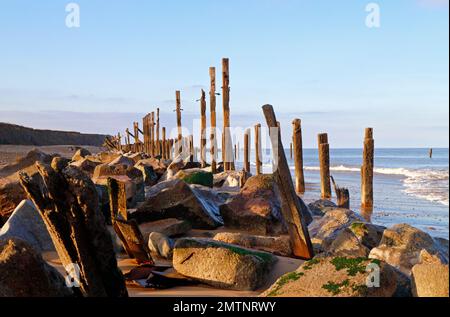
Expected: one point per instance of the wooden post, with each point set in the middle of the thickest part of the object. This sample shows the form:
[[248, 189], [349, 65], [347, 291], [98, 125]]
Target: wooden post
[[127, 132], [163, 144], [258, 148], [119, 141], [191, 148], [291, 206], [430, 153], [342, 195], [179, 148], [290, 150], [117, 199], [67, 201], [228, 144], [367, 171], [247, 151], [298, 156], [203, 129], [212, 101], [324, 161], [158, 145], [152, 134], [136, 137]]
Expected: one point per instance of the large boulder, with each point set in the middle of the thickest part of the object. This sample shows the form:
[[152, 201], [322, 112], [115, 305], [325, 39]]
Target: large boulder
[[340, 277], [136, 157], [367, 233], [11, 192], [176, 199], [26, 223], [429, 278], [347, 244], [323, 231], [170, 227], [131, 176], [87, 165], [229, 180], [321, 206], [221, 265], [122, 160], [196, 176], [402, 244], [149, 174], [158, 166], [24, 273], [160, 245], [178, 164], [106, 157], [257, 208], [80, 154], [277, 245]]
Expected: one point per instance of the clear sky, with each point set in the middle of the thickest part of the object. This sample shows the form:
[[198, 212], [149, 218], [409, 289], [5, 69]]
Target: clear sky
[[316, 60]]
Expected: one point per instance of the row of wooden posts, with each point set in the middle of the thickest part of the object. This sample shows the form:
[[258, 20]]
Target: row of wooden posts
[[157, 145]]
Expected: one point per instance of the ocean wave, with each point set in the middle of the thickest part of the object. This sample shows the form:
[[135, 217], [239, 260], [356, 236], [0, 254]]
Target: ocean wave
[[428, 184]]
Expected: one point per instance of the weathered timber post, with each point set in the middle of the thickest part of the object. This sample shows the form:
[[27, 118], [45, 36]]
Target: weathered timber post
[[291, 203], [342, 195], [119, 141], [68, 203], [191, 148], [152, 134], [163, 144], [247, 151], [179, 148], [290, 150], [228, 144], [117, 199], [127, 132], [212, 101], [298, 156], [258, 148], [203, 129], [324, 161], [136, 136], [158, 147], [430, 153], [145, 134], [367, 171]]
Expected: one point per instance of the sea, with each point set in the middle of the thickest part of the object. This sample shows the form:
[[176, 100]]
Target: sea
[[409, 186]]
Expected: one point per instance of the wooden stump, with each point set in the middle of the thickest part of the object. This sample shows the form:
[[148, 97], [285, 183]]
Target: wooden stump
[[247, 150], [298, 156], [367, 171], [258, 148], [324, 161], [212, 101]]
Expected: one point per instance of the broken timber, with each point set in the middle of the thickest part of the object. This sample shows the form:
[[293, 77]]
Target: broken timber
[[291, 207], [69, 206]]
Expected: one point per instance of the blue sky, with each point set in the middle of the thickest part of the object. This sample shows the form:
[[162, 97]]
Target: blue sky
[[315, 60]]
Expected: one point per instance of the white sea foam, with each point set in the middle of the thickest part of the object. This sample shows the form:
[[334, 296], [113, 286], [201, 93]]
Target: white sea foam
[[428, 184]]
